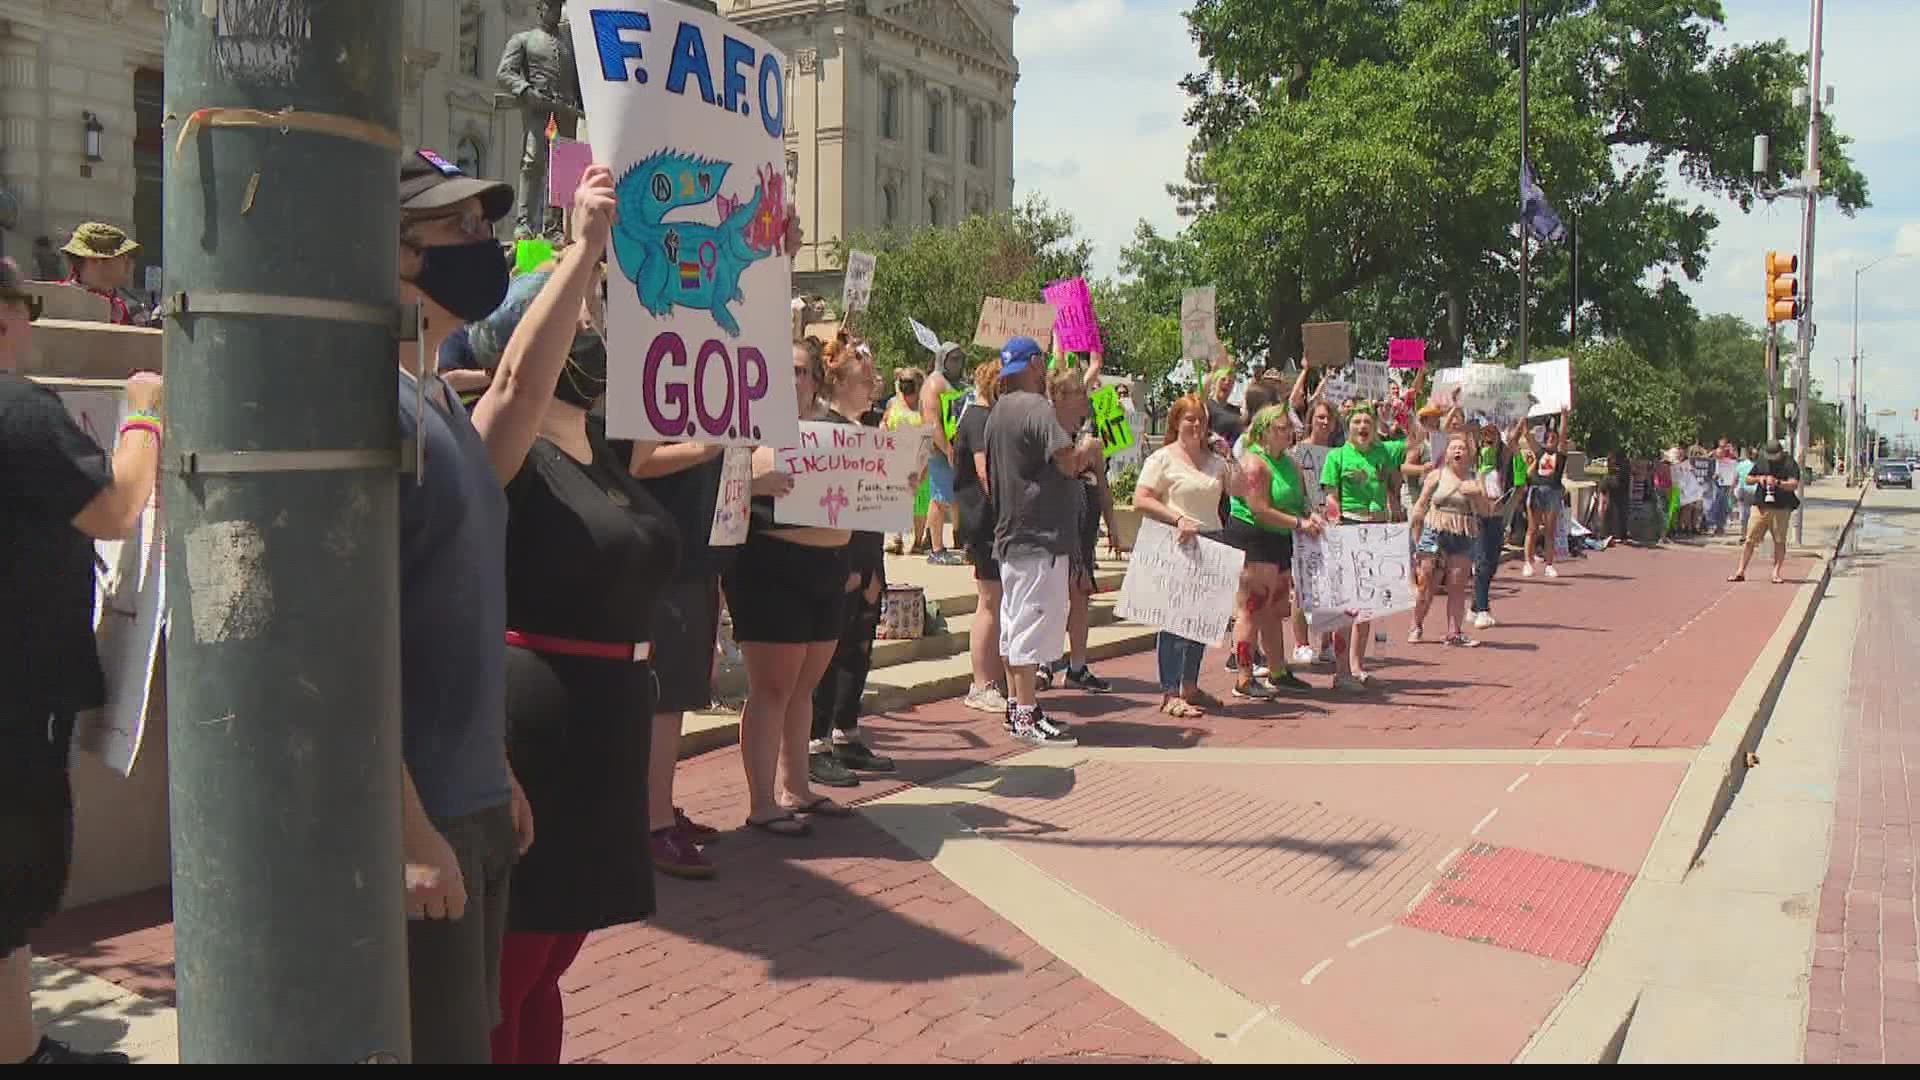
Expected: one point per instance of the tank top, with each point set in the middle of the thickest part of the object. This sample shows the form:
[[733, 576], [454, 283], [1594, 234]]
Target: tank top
[[1286, 489], [1452, 510]]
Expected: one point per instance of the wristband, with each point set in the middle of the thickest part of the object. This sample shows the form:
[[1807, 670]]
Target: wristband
[[146, 422]]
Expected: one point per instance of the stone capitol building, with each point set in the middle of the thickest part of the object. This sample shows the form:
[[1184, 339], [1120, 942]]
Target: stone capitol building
[[900, 112]]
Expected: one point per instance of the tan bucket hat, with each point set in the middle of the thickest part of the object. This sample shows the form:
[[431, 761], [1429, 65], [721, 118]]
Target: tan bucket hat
[[99, 240]]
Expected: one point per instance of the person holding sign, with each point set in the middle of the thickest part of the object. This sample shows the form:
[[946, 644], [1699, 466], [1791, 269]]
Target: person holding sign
[[1446, 518], [1360, 480], [936, 404], [1183, 485], [61, 491], [787, 591], [1262, 524], [1546, 493]]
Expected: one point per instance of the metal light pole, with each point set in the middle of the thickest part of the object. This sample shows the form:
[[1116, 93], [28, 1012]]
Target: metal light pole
[[1812, 208], [1853, 446], [1525, 18], [281, 502]]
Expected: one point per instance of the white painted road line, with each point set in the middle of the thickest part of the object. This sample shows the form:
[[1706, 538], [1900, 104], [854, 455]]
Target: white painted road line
[[1484, 821], [1515, 786], [1314, 972], [1368, 936]]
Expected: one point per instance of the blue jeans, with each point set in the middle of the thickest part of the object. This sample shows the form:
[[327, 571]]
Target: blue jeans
[[1486, 559], [1179, 662]]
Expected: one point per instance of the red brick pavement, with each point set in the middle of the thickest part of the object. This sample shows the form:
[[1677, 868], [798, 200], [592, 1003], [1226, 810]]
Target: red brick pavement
[[1864, 1000], [846, 947]]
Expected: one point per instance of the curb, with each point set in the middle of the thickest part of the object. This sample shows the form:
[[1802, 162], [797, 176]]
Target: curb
[[1590, 1024]]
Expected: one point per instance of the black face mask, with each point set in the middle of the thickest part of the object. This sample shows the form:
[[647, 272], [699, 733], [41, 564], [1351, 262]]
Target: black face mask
[[468, 280], [584, 380]]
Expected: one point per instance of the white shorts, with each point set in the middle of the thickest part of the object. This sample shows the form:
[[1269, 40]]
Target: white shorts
[[1033, 609]]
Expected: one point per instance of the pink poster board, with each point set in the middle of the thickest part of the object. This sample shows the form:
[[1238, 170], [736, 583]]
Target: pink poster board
[[1074, 324], [1406, 353], [567, 162]]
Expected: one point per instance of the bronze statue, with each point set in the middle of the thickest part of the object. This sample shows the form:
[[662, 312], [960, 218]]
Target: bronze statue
[[538, 73]]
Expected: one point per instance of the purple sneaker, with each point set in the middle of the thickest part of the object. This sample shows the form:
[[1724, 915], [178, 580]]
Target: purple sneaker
[[675, 855]]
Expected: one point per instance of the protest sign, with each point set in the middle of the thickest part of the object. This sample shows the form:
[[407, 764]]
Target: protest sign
[[1312, 459], [1552, 386], [1326, 344], [730, 504], [129, 609], [858, 288], [850, 477], [698, 311], [1110, 421], [1406, 352], [1199, 322], [927, 338], [1184, 589], [1001, 320], [1726, 472], [1485, 390], [1074, 325], [567, 161], [1353, 573], [1361, 380]]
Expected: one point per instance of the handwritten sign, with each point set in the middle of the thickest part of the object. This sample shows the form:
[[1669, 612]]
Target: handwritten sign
[[1726, 472], [730, 504], [1110, 421], [1361, 380], [1406, 352], [1312, 459], [850, 477], [1184, 589], [1326, 344], [567, 161], [689, 110], [1074, 324], [1500, 394], [130, 605], [1199, 321], [927, 338], [1353, 573], [858, 288], [1001, 320], [1552, 386]]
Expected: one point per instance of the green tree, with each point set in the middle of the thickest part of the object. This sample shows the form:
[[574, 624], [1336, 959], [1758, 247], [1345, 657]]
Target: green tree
[[940, 275], [1624, 404], [1140, 311], [1724, 387], [1359, 159]]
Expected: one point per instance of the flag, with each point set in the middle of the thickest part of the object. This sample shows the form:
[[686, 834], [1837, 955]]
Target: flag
[[1536, 214], [553, 126]]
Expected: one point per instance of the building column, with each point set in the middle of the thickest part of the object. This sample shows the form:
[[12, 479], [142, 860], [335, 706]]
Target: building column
[[913, 129], [23, 120], [1000, 157]]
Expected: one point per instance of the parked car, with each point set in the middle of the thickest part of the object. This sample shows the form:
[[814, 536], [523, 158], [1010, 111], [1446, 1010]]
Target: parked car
[[1894, 474]]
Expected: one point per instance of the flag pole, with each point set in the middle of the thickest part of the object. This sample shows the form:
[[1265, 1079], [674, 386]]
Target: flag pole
[[1521, 351]]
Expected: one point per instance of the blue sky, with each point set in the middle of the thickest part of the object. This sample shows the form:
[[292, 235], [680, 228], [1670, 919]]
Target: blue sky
[[1097, 130]]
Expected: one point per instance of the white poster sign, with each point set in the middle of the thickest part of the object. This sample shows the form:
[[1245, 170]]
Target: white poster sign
[[927, 338], [1552, 386], [1353, 573], [1500, 394], [730, 505], [1184, 589], [1312, 458], [689, 111], [859, 284], [850, 477], [1199, 325], [1726, 472], [129, 606], [1361, 380]]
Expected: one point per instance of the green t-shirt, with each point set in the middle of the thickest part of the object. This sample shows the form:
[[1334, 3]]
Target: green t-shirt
[[1288, 490], [1361, 476]]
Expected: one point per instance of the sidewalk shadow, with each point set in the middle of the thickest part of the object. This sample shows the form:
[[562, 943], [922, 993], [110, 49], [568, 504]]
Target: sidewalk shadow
[[995, 823]]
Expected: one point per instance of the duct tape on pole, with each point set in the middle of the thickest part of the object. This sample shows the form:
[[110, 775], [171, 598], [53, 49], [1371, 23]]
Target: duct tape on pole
[[280, 501]]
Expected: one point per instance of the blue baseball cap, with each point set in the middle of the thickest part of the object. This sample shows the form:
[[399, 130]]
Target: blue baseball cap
[[1018, 354]]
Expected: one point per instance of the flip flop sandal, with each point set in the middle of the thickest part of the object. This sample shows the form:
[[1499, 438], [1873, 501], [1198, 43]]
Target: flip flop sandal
[[823, 806], [786, 826], [1737, 577]]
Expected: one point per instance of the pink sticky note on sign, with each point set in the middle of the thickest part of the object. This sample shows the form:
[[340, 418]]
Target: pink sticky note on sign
[[567, 162], [1073, 322], [1406, 353]]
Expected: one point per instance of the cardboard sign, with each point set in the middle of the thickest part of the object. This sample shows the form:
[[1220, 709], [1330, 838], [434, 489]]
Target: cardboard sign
[[130, 605], [1074, 325], [1406, 353], [858, 288], [1184, 589], [850, 477], [1199, 322], [730, 506], [567, 161], [1353, 573], [1110, 421], [1001, 320], [689, 110], [1326, 344]]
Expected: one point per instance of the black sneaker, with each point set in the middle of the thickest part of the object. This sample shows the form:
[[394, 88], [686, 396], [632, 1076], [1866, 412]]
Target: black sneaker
[[51, 1052], [854, 755], [825, 768], [1085, 679], [1252, 689], [1043, 677], [1053, 728]]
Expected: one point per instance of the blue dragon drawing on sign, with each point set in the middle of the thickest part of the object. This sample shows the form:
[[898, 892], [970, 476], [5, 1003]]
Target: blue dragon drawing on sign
[[691, 264]]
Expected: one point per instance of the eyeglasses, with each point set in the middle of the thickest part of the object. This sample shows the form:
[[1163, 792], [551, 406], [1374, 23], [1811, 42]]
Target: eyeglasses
[[470, 223]]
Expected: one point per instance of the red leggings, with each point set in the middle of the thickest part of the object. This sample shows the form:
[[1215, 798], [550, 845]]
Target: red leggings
[[530, 1014]]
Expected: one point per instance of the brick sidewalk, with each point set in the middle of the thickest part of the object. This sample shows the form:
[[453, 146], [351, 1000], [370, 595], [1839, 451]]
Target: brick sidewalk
[[1864, 1001], [845, 947]]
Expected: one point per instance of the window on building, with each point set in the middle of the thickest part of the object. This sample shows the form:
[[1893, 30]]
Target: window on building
[[936, 124], [889, 205], [977, 139], [472, 19], [471, 155], [936, 213], [890, 108]]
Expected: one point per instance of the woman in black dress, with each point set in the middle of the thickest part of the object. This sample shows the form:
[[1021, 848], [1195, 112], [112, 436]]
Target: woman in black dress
[[589, 551]]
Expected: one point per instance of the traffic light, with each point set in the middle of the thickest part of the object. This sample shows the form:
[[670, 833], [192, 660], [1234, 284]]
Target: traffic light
[[1783, 287]]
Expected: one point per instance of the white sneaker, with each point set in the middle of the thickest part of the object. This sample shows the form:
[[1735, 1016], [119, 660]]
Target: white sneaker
[[1304, 655], [1527, 570], [1483, 620], [986, 699], [1551, 572]]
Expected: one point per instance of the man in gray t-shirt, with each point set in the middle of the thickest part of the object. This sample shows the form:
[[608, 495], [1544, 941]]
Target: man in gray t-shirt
[[1031, 463]]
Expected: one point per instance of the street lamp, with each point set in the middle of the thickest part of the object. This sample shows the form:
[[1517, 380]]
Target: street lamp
[[1853, 449], [93, 128]]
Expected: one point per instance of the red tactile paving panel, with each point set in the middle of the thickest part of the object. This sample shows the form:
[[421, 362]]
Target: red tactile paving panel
[[1523, 901]]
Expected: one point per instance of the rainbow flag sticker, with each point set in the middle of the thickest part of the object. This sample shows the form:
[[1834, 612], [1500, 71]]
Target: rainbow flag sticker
[[689, 275]]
